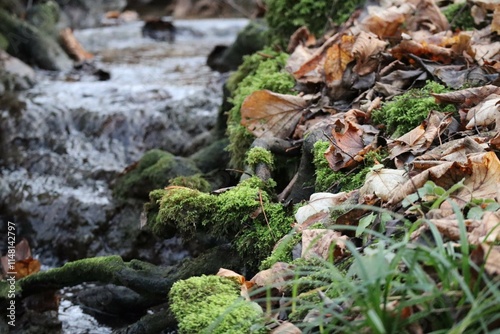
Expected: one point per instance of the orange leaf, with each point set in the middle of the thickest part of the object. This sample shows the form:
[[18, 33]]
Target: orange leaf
[[337, 58], [271, 115], [26, 267]]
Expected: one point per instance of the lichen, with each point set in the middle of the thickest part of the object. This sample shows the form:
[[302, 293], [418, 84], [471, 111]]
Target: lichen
[[407, 111], [258, 155], [459, 16], [211, 304], [285, 16], [262, 70], [196, 182]]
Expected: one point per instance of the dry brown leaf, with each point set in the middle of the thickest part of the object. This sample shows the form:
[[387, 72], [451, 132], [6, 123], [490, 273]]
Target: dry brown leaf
[[419, 139], [27, 267], [386, 22], [231, 274], [366, 50], [455, 150], [337, 58], [488, 230], [382, 183], [489, 256], [484, 179], [485, 113], [73, 47], [427, 16], [467, 97], [301, 36], [485, 52], [275, 276], [286, 328], [423, 50], [495, 23], [271, 115], [318, 243]]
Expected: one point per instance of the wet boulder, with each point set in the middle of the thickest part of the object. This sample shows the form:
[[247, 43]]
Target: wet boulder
[[249, 40], [88, 14], [14, 74], [29, 44], [159, 30]]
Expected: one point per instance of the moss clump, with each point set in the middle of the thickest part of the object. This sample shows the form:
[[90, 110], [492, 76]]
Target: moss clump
[[244, 214], [196, 182], [285, 16], [258, 155], [262, 70], [327, 179], [459, 16], [4, 43], [407, 111], [182, 209], [153, 171], [211, 304]]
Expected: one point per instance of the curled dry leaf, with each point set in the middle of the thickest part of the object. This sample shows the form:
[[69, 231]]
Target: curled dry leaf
[[231, 274], [276, 276], [271, 115], [485, 113], [366, 50], [488, 230], [420, 139], [286, 328], [318, 243], [24, 263], [467, 97], [386, 22], [382, 183], [423, 50], [319, 203], [337, 58]]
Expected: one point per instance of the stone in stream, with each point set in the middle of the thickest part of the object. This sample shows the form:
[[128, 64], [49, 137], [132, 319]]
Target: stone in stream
[[14, 74], [31, 45]]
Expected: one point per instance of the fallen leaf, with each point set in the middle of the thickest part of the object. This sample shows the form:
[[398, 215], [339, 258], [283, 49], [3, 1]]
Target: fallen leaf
[[337, 58], [275, 277], [366, 50], [486, 113], [318, 243], [467, 97], [319, 203], [271, 115], [231, 274], [382, 183], [286, 328], [27, 267], [386, 22]]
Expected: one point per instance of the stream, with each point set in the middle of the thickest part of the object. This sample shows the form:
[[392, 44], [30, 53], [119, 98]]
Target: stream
[[65, 140]]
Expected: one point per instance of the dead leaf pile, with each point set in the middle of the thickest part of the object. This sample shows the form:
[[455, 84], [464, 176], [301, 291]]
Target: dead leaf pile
[[379, 54]]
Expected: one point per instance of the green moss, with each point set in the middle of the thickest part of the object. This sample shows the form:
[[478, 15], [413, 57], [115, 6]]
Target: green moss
[[283, 251], [262, 70], [182, 210], [285, 16], [258, 155], [153, 171], [196, 182], [4, 43], [211, 304], [407, 111], [327, 179], [459, 16], [237, 215]]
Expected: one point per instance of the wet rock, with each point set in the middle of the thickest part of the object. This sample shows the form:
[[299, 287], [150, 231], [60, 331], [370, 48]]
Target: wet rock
[[249, 40], [87, 14], [31, 45], [14, 74], [159, 30]]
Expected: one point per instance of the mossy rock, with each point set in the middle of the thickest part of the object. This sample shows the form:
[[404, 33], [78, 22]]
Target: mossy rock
[[244, 215], [31, 45], [212, 304], [250, 40], [45, 17], [154, 171]]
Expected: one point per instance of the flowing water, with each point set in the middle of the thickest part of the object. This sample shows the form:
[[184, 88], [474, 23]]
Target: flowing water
[[67, 138]]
